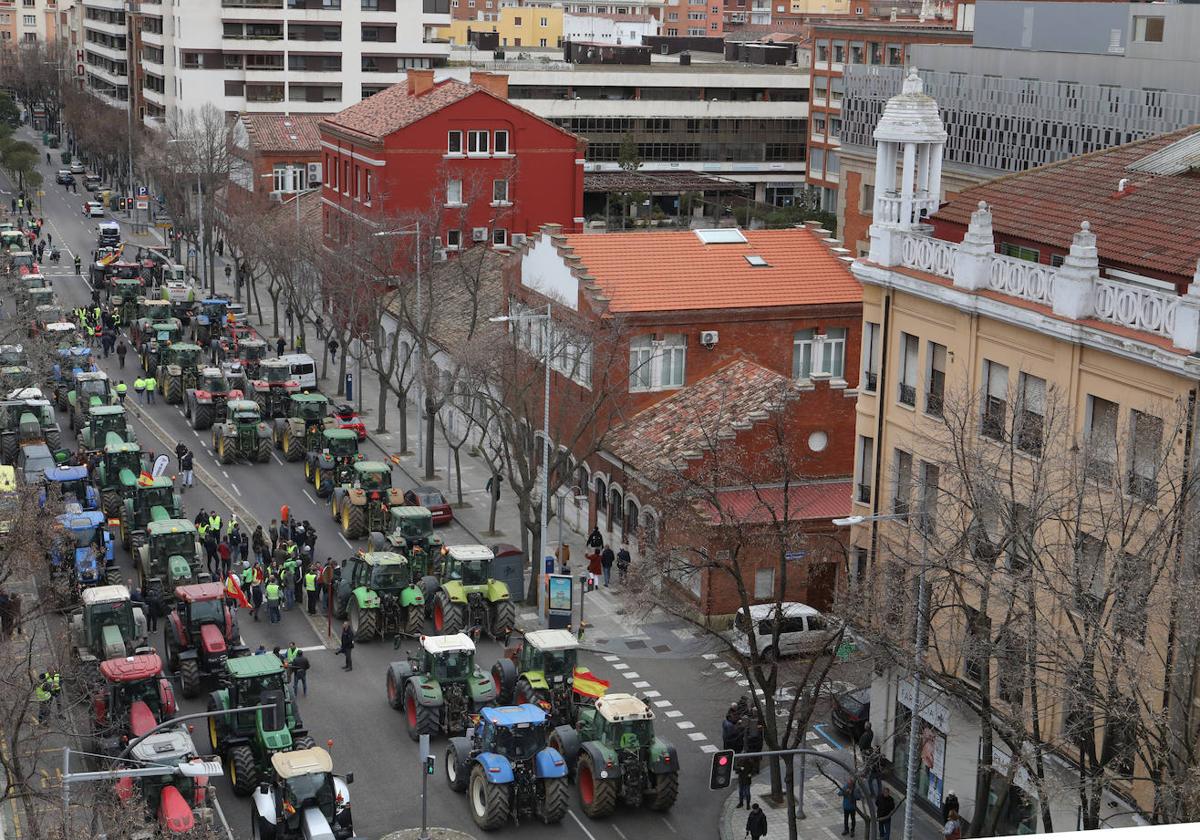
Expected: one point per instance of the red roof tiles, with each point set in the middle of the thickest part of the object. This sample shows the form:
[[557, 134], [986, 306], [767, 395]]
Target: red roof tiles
[[676, 271], [283, 132], [755, 505], [394, 108]]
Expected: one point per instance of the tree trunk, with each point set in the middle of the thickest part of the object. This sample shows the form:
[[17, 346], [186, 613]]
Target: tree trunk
[[381, 407], [458, 472], [253, 287], [341, 383], [789, 779], [402, 404], [429, 438]]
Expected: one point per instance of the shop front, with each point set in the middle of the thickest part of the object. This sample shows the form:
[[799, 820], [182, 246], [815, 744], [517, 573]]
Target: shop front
[[933, 726]]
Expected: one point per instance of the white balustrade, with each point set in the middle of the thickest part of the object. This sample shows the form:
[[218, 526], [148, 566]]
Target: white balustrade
[[924, 253], [1136, 307], [1021, 278]]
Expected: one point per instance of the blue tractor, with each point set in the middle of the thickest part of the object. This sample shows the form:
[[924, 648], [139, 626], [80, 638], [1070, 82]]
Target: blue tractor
[[82, 549], [72, 484], [67, 362], [510, 772], [210, 319]]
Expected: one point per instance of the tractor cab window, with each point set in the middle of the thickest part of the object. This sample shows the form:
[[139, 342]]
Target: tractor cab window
[[246, 416], [276, 373], [631, 734], [157, 496], [94, 387], [451, 666], [413, 527], [115, 615], [311, 789], [215, 311], [85, 534], [47, 415], [209, 611], [518, 742], [10, 357], [187, 358], [251, 689], [144, 690], [388, 577], [343, 446], [214, 383], [109, 422], [371, 480], [471, 572], [253, 352], [181, 543], [558, 663]]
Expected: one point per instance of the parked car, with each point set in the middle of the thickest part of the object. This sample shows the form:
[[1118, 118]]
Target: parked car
[[851, 710], [91, 182], [65, 177], [432, 498], [77, 167], [93, 208], [804, 630]]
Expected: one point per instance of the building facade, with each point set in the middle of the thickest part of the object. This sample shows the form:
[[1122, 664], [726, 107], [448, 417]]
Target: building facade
[[516, 26], [274, 155], [35, 22]]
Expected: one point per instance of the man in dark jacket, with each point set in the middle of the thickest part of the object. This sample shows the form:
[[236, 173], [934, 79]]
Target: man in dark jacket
[[885, 805], [347, 646], [756, 823], [299, 668], [154, 608], [607, 557]]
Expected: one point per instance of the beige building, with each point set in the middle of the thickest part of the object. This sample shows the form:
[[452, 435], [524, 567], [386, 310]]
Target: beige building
[[1026, 435]]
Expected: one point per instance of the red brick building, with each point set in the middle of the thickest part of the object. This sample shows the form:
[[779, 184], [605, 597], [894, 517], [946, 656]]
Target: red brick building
[[460, 158], [275, 155]]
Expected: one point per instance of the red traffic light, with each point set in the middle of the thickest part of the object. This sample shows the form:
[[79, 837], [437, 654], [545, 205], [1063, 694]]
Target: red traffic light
[[722, 760], [721, 773]]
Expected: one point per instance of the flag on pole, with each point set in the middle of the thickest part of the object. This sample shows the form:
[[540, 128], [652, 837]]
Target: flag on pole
[[588, 684], [233, 589], [145, 479]]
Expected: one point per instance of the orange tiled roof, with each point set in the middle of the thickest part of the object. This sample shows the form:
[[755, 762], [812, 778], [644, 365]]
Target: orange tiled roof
[[676, 271], [283, 132], [395, 108], [757, 505]]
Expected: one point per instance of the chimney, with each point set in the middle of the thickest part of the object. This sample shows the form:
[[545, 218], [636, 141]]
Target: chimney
[[419, 81], [497, 83]]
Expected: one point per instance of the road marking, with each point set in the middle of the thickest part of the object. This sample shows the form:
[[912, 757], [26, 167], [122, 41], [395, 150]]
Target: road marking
[[685, 724], [733, 675], [663, 704], [346, 541], [620, 833], [620, 666], [708, 748], [582, 827], [819, 728], [668, 825], [278, 460], [313, 647], [697, 736], [641, 684], [721, 665], [674, 713], [651, 694], [610, 658], [310, 498], [224, 473], [633, 675], [709, 655], [743, 683], [235, 488]]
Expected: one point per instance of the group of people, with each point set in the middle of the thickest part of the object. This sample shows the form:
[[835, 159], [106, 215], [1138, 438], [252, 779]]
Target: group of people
[[295, 665], [601, 559], [284, 572]]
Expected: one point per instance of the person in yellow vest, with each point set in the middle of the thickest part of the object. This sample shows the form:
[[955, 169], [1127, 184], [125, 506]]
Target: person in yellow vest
[[214, 525], [139, 388], [42, 695], [273, 595], [151, 385], [121, 389], [310, 586]]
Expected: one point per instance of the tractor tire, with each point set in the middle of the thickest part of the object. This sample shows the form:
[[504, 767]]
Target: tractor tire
[[395, 691], [448, 617], [264, 451], [523, 693], [293, 448], [489, 802], [323, 483], [172, 390], [214, 732], [565, 739], [126, 542], [260, 828], [202, 416], [597, 797], [71, 420], [189, 678], [556, 799], [308, 471], [110, 502], [61, 397], [340, 608], [504, 676], [665, 792], [172, 651], [262, 405], [333, 507], [223, 450], [354, 520], [243, 773], [303, 742], [414, 624], [504, 618], [420, 720], [53, 440], [458, 764], [113, 576], [363, 623], [9, 448]]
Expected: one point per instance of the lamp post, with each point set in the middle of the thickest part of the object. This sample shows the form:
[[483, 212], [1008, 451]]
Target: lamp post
[[416, 231], [545, 511], [199, 220]]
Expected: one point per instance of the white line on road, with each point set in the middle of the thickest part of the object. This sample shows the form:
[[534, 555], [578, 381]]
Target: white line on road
[[620, 833], [708, 748], [641, 684], [633, 675], [235, 488], [685, 724], [582, 827], [652, 694], [663, 704], [610, 658], [310, 498], [620, 666], [674, 713], [668, 825], [346, 541], [224, 473], [709, 655], [697, 736], [313, 647], [277, 458]]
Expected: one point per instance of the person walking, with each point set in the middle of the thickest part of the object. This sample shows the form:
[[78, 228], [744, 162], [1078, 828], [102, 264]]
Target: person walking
[[280, 346], [180, 448], [139, 388], [885, 806], [289, 584], [623, 561], [185, 469], [243, 548], [595, 540], [347, 646], [151, 386], [865, 741], [606, 563], [952, 830], [154, 608], [594, 569], [121, 390], [756, 823], [42, 695], [256, 596], [273, 531], [226, 555], [333, 348], [310, 587], [745, 777], [300, 666], [122, 349], [849, 794], [731, 732], [949, 803], [273, 596]]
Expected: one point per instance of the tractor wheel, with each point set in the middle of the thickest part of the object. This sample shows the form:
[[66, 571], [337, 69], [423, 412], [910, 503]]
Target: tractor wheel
[[202, 417], [556, 799], [524, 693], [71, 420], [420, 720], [414, 624], [172, 652], [126, 542], [214, 731], [264, 450], [260, 828], [504, 674], [363, 623], [293, 447], [395, 691], [172, 391], [61, 397], [504, 618], [9, 448], [224, 450], [53, 440], [113, 576], [664, 793], [243, 773], [323, 482], [448, 617], [262, 405], [489, 802], [354, 520], [565, 739], [303, 742], [110, 502], [333, 507], [308, 471], [597, 796], [457, 765], [189, 678]]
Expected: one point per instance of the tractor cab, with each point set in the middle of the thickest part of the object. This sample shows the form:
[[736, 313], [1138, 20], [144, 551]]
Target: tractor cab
[[103, 421], [169, 560], [178, 798], [448, 659], [43, 296], [184, 355], [15, 376], [212, 381], [384, 572], [154, 310], [13, 354], [91, 388], [61, 334], [235, 375], [212, 311], [516, 732], [553, 653], [70, 484], [311, 408], [122, 461], [272, 385], [108, 625], [252, 351], [259, 680], [81, 548], [202, 605], [244, 412], [163, 333], [412, 529], [469, 564], [307, 785], [341, 444], [372, 476], [136, 698]]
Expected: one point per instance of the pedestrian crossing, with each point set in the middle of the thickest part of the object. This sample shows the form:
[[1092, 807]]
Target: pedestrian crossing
[[661, 705]]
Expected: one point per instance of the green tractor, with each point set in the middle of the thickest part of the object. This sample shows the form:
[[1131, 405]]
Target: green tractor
[[442, 689], [244, 436], [89, 389], [124, 297], [180, 368], [107, 626], [364, 506], [332, 464], [542, 668], [300, 431], [27, 421], [247, 740], [615, 757], [103, 421], [169, 556], [117, 474], [153, 502], [411, 532], [379, 595], [152, 313], [155, 343], [466, 594]]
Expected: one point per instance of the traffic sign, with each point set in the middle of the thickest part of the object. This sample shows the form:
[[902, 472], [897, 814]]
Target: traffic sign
[[143, 191], [143, 205], [795, 555]]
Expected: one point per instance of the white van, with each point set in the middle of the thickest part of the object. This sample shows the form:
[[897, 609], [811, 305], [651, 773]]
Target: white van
[[304, 369], [804, 630]]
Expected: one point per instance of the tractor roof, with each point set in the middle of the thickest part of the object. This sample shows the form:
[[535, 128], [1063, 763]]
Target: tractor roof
[[311, 397], [407, 511], [620, 707], [470, 552], [372, 467], [210, 371], [242, 405], [168, 747], [105, 595], [114, 448], [131, 668], [62, 472], [459, 642], [384, 558], [288, 765], [509, 716], [156, 482], [215, 301], [60, 326], [106, 410], [91, 376], [340, 434], [184, 346], [254, 341], [170, 526], [194, 592], [81, 520], [164, 326], [552, 640], [258, 665]]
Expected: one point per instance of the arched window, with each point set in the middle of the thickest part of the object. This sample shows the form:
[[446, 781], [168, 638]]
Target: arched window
[[631, 518], [649, 535], [601, 496], [614, 507]]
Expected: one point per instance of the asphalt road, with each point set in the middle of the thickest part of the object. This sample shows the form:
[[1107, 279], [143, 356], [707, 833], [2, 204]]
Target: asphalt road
[[369, 738]]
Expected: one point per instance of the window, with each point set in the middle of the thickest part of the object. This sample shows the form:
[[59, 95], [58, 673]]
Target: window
[[281, 179], [454, 142], [454, 191], [542, 42], [870, 351], [1089, 574], [1131, 591], [909, 345], [935, 379], [1031, 413], [500, 141], [453, 239], [346, 178], [1020, 252], [29, 20], [983, 536], [656, 365], [499, 236], [367, 186], [1148, 29], [864, 468], [764, 583], [995, 399], [1101, 425], [866, 204], [543, 22], [1145, 432], [802, 350], [931, 475], [477, 142], [1010, 670], [833, 352], [500, 191], [1119, 752], [975, 644], [902, 465], [641, 357], [516, 21], [1021, 539]]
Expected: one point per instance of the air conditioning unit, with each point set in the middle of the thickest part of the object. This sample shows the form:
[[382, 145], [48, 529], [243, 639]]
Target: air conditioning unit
[[435, 242], [479, 234], [709, 338], [439, 255], [518, 239], [314, 174], [276, 196]]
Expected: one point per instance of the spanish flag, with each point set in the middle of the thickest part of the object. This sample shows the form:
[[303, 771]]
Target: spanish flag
[[233, 590], [588, 684], [145, 479]]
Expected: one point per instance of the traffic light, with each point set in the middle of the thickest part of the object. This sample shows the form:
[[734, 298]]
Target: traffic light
[[722, 770], [430, 760]]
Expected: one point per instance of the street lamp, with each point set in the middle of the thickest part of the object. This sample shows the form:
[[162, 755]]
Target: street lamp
[[199, 219], [910, 782], [545, 512], [416, 231]]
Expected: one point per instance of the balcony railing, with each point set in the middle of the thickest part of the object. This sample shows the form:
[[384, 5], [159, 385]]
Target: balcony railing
[[251, 4], [1022, 278], [925, 253], [889, 207], [1136, 307]]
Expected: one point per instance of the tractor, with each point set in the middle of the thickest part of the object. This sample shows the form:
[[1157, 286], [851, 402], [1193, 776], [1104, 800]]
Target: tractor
[[103, 420], [108, 626], [331, 464], [272, 386], [209, 322], [15, 376], [411, 532], [251, 352], [364, 506], [243, 436], [24, 421], [441, 690], [178, 798], [42, 316], [235, 375], [69, 484], [511, 772], [155, 342], [13, 354], [300, 430], [117, 473], [200, 635], [134, 699], [88, 390], [151, 501], [61, 336], [303, 799], [543, 668], [614, 756], [81, 550], [68, 360], [467, 595], [180, 369], [170, 556], [379, 596], [124, 297], [209, 400], [247, 740], [151, 312]]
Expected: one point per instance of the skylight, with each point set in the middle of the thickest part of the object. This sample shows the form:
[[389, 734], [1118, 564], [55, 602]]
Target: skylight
[[721, 236], [756, 261]]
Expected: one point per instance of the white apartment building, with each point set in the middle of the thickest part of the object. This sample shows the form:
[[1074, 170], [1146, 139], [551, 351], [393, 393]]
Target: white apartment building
[[624, 29]]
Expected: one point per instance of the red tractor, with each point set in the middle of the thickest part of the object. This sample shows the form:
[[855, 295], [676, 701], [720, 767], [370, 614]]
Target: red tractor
[[345, 417], [179, 798], [135, 698], [200, 635], [271, 388]]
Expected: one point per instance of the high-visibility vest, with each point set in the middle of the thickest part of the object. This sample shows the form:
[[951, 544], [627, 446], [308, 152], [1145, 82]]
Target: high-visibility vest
[[291, 654], [55, 682], [310, 582], [139, 384], [121, 389], [202, 529], [214, 522], [151, 384], [248, 576], [272, 591], [41, 691]]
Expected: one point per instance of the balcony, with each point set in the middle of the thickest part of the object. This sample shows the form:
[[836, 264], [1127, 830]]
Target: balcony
[[252, 4], [114, 53]]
